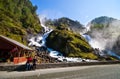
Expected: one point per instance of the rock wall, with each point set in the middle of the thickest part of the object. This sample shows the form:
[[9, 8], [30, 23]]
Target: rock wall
[[54, 65]]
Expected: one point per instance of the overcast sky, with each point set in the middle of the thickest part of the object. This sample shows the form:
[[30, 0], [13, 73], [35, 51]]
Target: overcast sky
[[80, 10]]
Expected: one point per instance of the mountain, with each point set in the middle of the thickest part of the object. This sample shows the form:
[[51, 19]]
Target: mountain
[[66, 39], [105, 32], [100, 23], [102, 20], [65, 23], [18, 18]]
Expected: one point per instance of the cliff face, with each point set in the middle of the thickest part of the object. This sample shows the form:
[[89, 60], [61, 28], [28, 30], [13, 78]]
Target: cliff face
[[18, 18]]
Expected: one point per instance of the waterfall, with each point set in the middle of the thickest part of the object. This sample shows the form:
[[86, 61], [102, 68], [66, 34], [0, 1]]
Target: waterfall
[[40, 40], [103, 40]]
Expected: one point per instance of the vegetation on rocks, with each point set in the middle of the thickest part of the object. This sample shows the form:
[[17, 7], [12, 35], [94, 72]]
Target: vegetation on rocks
[[102, 22], [18, 18], [65, 23], [70, 44]]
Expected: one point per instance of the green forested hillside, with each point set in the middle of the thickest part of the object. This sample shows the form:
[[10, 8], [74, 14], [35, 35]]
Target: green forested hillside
[[18, 18]]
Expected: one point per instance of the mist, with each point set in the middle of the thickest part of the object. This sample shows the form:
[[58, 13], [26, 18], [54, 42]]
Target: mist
[[106, 37]]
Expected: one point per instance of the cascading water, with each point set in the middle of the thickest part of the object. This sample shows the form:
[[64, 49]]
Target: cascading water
[[104, 39], [40, 40]]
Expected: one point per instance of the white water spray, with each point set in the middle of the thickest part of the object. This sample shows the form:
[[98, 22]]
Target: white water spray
[[104, 39], [40, 41], [42, 20]]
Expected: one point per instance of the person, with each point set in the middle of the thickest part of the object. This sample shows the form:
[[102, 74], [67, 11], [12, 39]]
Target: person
[[28, 63], [34, 62]]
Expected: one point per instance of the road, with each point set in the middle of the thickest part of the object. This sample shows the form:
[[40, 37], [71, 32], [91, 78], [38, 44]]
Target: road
[[79, 72]]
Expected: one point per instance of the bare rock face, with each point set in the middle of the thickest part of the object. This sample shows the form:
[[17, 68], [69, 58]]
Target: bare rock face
[[116, 46]]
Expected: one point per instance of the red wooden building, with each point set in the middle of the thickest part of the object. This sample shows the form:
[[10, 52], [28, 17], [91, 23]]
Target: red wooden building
[[12, 50]]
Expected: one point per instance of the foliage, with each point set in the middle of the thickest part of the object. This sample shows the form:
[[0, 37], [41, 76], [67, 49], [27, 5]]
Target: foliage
[[65, 23], [103, 20], [17, 17], [98, 26], [70, 44]]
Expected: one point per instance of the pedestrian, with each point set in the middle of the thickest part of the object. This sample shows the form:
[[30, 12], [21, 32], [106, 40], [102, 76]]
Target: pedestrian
[[28, 63], [34, 62]]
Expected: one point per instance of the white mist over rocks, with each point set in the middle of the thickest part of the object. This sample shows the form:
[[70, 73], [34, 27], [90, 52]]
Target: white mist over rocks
[[40, 40], [104, 38]]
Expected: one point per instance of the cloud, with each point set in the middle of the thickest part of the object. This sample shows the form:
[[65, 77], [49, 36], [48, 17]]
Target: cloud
[[52, 14]]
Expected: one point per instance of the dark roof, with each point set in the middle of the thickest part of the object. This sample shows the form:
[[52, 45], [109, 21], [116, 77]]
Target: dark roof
[[8, 44]]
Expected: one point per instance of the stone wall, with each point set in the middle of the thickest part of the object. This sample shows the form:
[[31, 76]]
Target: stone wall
[[54, 65]]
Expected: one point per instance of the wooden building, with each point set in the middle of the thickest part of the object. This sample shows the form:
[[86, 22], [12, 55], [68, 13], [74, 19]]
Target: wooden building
[[13, 51]]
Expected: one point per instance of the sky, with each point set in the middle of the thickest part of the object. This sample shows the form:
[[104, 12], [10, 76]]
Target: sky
[[81, 10]]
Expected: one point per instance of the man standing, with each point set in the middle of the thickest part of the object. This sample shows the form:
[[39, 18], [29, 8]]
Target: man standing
[[28, 63], [34, 62]]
